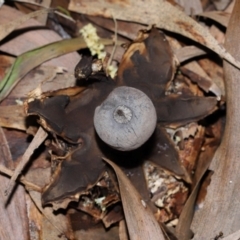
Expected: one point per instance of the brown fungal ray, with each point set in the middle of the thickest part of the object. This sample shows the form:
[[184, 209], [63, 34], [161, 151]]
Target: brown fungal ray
[[71, 119], [78, 173], [148, 64], [164, 153], [180, 110], [51, 110]]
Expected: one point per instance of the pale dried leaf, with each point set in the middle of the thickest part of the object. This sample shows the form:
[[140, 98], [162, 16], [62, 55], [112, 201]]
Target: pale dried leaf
[[140, 220], [233, 236], [35, 143], [222, 4], [189, 52], [36, 76], [190, 7], [220, 211]]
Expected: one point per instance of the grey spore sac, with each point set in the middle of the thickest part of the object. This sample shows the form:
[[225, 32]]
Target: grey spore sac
[[126, 119]]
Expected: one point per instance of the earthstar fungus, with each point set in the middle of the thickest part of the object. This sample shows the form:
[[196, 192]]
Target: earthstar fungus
[[147, 66], [126, 119]]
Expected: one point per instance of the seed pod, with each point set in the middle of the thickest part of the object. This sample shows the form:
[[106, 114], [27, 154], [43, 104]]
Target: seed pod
[[126, 119]]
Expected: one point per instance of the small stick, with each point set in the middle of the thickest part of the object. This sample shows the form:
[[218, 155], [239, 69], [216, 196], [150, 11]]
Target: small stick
[[36, 142], [115, 42], [26, 183]]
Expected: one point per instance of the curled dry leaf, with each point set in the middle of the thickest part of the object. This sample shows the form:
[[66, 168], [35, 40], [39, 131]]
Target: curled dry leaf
[[140, 220]]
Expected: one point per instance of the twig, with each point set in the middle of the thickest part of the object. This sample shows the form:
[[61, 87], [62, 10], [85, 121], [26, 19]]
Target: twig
[[26, 183], [36, 142], [115, 42]]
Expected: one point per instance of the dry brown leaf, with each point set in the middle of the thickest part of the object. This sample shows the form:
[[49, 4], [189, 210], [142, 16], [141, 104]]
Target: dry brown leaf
[[204, 81], [12, 116], [29, 40], [10, 26], [220, 17], [13, 215], [214, 71], [190, 7], [161, 13], [35, 77], [36, 142], [123, 234], [186, 53], [140, 220], [59, 221], [221, 206]]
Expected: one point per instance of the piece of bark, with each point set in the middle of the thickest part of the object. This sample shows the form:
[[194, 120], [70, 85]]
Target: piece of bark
[[221, 206]]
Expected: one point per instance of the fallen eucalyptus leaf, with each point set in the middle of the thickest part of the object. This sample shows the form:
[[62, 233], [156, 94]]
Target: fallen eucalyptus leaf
[[189, 52], [221, 206], [140, 220]]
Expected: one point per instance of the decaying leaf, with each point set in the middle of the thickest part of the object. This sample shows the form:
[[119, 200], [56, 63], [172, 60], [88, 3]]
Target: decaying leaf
[[222, 198], [13, 116], [13, 214]]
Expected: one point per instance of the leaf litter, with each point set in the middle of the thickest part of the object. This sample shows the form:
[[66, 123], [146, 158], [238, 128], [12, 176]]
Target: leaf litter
[[67, 146]]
